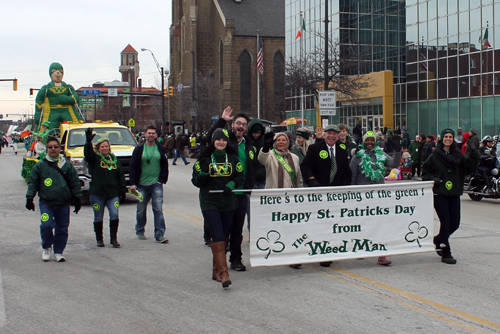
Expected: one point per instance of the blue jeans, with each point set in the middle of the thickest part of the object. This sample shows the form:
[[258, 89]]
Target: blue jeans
[[98, 204], [181, 153], [218, 222], [56, 219], [155, 193]]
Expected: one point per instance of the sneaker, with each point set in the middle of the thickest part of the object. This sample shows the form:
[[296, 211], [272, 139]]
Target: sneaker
[[162, 240], [238, 266], [187, 163], [141, 237], [325, 264], [59, 258], [174, 164], [383, 261], [296, 266], [46, 254], [448, 259]]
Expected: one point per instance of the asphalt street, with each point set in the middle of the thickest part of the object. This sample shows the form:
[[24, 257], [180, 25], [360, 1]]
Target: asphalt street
[[147, 287]]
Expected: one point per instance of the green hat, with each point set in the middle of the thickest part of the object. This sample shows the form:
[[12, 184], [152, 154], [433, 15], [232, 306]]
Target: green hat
[[55, 66], [303, 134], [46, 123], [332, 127], [445, 131], [220, 133], [257, 128]]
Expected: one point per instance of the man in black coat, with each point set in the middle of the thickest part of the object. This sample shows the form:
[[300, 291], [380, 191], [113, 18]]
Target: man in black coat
[[319, 170]]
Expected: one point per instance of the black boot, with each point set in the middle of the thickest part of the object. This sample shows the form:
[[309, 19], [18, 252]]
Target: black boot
[[437, 244], [113, 230], [98, 234], [447, 258]]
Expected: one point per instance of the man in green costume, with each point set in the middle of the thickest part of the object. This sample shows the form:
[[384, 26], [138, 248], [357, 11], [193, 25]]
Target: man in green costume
[[57, 101], [44, 132]]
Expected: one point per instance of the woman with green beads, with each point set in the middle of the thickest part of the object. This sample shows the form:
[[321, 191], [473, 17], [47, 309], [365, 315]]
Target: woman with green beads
[[108, 183], [218, 168]]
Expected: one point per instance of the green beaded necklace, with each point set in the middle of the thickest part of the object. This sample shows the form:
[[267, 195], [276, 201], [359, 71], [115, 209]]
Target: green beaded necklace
[[109, 163]]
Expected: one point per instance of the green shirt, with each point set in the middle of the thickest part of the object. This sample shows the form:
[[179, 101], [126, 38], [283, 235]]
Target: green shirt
[[150, 165], [242, 154]]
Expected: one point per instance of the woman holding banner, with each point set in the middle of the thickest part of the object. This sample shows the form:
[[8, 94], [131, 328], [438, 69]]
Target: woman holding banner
[[282, 166], [447, 167], [369, 163], [218, 168]]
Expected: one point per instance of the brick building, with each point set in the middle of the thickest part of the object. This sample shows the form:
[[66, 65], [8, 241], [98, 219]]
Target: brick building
[[220, 38]]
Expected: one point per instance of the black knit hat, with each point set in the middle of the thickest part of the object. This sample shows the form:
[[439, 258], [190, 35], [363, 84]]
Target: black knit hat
[[220, 133]]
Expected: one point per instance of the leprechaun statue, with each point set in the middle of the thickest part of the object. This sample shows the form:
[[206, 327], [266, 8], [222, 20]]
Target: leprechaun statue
[[57, 101]]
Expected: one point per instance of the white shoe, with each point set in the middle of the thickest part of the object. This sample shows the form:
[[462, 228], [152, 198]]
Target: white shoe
[[46, 254], [59, 257]]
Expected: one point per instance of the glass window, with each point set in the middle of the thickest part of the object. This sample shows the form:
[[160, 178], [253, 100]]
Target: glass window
[[442, 8], [453, 114], [423, 117], [453, 24], [412, 113], [245, 82], [422, 30], [411, 15], [463, 5], [485, 2], [452, 66], [422, 12], [442, 27], [432, 9], [475, 23], [433, 116], [443, 120], [487, 13], [412, 34], [497, 114], [489, 116], [433, 29], [463, 20], [452, 87], [475, 117], [452, 6], [463, 65], [463, 86], [442, 69], [412, 91], [465, 114]]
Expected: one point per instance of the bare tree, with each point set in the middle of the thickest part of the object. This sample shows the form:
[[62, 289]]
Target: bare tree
[[208, 98]]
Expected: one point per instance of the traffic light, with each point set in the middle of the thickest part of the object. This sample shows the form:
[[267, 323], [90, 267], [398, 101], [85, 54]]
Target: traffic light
[[171, 90], [165, 92], [31, 92], [14, 82]]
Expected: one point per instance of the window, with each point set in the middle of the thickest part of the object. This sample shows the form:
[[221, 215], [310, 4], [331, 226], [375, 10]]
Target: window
[[221, 63], [279, 83], [245, 82], [472, 63]]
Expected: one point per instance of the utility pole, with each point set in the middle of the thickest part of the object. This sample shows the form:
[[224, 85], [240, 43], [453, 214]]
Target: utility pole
[[162, 103]]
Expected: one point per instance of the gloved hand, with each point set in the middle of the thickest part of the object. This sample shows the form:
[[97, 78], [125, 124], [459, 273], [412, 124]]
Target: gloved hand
[[396, 142], [313, 183], [204, 168], [229, 187], [268, 141], [437, 181], [89, 135], [78, 205], [29, 204]]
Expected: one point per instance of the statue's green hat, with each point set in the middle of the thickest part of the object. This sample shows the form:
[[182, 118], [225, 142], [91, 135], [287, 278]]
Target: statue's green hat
[[55, 66]]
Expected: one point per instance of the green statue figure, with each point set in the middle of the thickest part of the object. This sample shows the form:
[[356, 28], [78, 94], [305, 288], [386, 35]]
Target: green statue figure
[[44, 132], [57, 101]]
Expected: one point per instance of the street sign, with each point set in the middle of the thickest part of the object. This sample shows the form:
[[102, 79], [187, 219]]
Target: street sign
[[126, 97], [179, 87], [327, 102], [131, 123], [113, 92], [91, 92], [91, 102]]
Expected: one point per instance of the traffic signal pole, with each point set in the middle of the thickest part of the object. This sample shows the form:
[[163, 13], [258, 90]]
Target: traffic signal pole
[[162, 103]]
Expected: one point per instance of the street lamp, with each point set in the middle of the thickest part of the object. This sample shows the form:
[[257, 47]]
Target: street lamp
[[160, 69], [193, 106]]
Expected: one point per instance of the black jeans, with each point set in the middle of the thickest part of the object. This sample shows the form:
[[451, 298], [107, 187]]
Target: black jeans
[[218, 223], [236, 230], [416, 169], [448, 211]]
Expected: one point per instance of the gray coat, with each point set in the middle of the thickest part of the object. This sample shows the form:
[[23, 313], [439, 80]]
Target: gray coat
[[359, 178]]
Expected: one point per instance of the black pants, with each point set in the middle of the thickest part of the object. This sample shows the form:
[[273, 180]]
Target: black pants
[[236, 230], [448, 211], [416, 169]]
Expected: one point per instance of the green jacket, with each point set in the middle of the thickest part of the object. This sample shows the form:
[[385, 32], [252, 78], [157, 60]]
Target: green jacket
[[415, 154], [205, 178], [105, 182], [450, 169], [51, 185]]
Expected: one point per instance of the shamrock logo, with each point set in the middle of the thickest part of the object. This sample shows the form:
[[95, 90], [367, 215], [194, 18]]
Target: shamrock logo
[[416, 233], [342, 146], [96, 207], [197, 166], [117, 204], [271, 243], [250, 154], [448, 185], [45, 217], [239, 167], [225, 132], [48, 182], [323, 154]]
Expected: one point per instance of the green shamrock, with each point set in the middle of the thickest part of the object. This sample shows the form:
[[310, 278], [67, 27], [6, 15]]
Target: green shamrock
[[416, 233], [271, 243]]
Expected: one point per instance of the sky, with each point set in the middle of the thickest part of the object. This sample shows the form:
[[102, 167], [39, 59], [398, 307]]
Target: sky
[[86, 37]]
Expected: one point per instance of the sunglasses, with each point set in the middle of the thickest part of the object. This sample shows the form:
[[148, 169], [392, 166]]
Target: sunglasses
[[51, 147]]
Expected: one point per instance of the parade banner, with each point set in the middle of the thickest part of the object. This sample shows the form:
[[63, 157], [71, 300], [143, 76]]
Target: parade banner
[[301, 225]]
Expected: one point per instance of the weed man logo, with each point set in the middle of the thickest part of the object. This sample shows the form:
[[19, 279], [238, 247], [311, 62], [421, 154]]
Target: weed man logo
[[48, 182], [58, 90], [370, 134], [323, 154], [239, 167], [220, 168], [45, 217], [342, 146], [96, 207], [448, 185], [197, 166], [117, 204], [250, 154]]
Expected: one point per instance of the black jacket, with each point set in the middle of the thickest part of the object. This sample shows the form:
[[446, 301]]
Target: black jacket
[[251, 152], [317, 164], [136, 165]]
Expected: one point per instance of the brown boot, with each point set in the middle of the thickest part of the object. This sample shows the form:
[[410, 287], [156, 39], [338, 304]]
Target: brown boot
[[221, 262], [215, 270]]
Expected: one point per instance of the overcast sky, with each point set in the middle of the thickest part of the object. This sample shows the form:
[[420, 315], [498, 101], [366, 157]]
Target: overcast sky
[[86, 37]]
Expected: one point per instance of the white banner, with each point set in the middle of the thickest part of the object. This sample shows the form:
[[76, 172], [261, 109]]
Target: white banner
[[334, 223]]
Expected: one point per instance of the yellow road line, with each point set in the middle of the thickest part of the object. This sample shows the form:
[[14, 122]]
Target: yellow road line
[[402, 294]]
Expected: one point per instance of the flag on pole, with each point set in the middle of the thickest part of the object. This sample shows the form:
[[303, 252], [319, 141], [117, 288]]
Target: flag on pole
[[303, 27], [484, 40], [260, 63]]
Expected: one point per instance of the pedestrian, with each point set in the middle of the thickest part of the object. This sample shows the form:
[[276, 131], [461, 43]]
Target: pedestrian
[[447, 167], [464, 143], [357, 133], [218, 168], [282, 166], [256, 135], [415, 157], [487, 161], [302, 143], [473, 140], [326, 164], [389, 147], [459, 138], [179, 150], [369, 163], [248, 158], [107, 186], [404, 142], [345, 141], [148, 174], [170, 144], [56, 182]]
